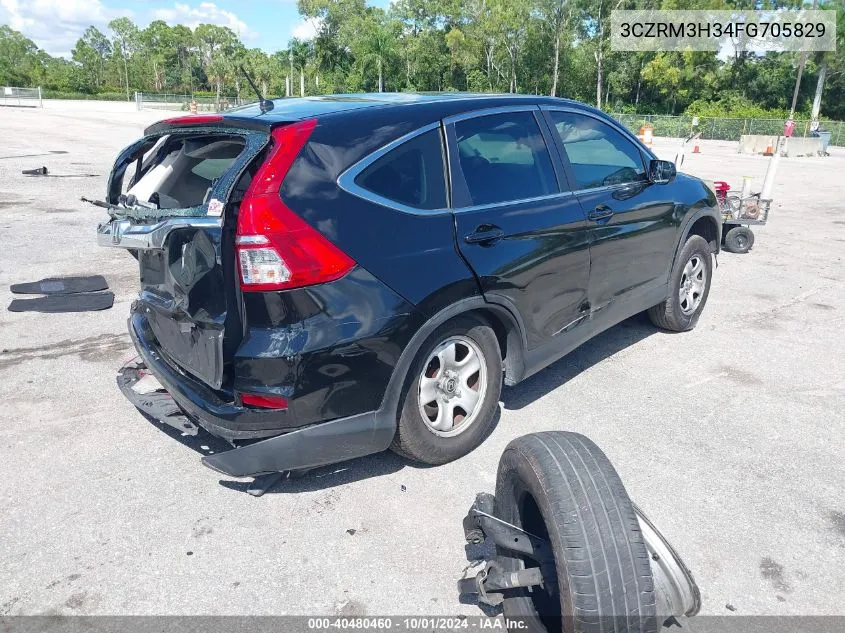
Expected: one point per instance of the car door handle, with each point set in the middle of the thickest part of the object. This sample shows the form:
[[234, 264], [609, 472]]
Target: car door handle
[[485, 235], [601, 212]]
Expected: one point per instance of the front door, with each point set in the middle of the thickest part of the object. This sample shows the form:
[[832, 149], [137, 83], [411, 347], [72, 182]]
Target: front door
[[633, 221], [517, 225]]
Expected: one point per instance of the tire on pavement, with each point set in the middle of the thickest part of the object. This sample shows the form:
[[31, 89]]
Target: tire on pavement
[[443, 428], [689, 287], [740, 240], [561, 487]]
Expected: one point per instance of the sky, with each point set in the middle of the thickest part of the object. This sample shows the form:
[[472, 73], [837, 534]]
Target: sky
[[55, 25]]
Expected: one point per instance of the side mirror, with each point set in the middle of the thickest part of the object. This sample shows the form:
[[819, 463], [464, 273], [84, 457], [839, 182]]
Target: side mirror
[[661, 172]]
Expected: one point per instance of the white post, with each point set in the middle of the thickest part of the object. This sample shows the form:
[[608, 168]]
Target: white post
[[40, 100], [769, 180], [817, 99]]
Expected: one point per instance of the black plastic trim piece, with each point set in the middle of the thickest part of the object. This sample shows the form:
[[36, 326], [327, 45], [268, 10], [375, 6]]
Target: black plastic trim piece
[[309, 447]]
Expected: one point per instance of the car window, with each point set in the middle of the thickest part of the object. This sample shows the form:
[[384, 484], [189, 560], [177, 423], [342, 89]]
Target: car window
[[212, 168], [503, 157], [411, 174], [599, 155]]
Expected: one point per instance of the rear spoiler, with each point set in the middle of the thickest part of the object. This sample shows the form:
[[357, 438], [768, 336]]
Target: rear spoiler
[[217, 121]]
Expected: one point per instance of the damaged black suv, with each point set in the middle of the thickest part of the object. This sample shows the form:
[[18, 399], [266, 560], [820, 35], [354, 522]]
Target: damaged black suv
[[338, 275]]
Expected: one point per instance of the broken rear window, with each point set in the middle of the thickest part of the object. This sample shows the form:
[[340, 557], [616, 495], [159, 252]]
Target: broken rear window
[[183, 171], [183, 174]]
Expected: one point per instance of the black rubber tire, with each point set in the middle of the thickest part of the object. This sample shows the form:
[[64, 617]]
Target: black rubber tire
[[601, 564], [414, 439], [740, 240], [668, 314]]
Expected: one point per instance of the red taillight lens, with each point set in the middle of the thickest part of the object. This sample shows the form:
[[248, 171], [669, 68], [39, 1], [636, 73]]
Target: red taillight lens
[[278, 250], [194, 119], [264, 402]]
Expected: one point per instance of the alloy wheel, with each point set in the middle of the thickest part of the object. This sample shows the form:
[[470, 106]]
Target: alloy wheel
[[693, 282], [452, 386]]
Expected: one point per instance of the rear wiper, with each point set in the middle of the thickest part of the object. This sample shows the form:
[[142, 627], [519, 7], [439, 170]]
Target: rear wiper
[[102, 204], [127, 203], [264, 104]]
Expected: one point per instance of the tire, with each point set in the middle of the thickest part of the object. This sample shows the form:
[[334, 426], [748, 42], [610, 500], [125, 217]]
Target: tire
[[681, 309], [561, 487], [416, 437], [739, 240]]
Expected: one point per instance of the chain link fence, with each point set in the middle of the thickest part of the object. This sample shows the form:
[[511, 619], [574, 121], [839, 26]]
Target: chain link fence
[[725, 129], [23, 97], [182, 103]]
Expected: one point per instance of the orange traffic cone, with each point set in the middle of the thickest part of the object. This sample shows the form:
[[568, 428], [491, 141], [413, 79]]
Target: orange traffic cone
[[696, 150], [769, 151]]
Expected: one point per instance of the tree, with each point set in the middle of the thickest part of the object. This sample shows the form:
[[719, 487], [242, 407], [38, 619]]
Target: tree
[[158, 46], [17, 57], [299, 52], [216, 46], [92, 52], [558, 47], [556, 15], [376, 43], [125, 40], [257, 62]]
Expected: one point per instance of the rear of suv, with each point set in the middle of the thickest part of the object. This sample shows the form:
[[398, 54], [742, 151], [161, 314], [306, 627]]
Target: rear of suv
[[340, 275]]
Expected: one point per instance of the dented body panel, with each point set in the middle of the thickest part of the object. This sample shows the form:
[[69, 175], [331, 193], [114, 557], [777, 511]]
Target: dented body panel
[[330, 350]]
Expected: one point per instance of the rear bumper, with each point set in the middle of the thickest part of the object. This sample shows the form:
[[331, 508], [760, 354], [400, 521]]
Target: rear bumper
[[294, 449], [218, 417]]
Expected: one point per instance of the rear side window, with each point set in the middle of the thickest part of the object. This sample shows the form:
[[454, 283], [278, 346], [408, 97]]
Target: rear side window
[[600, 156], [411, 174], [503, 158]]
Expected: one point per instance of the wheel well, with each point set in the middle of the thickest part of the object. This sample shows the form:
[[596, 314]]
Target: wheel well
[[510, 342], [707, 228]]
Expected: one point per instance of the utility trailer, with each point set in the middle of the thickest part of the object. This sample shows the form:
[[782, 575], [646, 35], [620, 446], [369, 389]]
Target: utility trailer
[[739, 214]]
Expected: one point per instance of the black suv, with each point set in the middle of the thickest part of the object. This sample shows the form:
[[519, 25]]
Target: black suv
[[324, 278]]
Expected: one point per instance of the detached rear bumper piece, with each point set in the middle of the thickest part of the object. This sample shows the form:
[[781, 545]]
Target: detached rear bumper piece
[[298, 448]]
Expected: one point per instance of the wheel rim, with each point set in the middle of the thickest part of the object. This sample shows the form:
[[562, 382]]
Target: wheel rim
[[693, 281], [741, 241], [453, 384]]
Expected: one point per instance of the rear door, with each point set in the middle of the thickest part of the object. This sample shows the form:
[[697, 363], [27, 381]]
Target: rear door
[[522, 232], [633, 222], [175, 212]]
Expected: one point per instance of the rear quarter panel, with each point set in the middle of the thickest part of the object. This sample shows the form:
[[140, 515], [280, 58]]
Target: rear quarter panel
[[415, 255]]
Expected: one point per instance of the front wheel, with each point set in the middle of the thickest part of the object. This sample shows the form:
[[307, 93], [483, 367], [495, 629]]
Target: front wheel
[[451, 393], [689, 286]]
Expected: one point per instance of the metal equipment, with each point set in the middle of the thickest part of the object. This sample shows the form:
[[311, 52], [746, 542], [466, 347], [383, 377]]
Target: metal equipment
[[571, 550], [739, 213]]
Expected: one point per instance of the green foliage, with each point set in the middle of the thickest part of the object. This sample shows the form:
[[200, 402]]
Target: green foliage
[[530, 46], [732, 104]]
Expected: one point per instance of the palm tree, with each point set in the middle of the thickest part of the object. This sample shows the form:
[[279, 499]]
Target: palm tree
[[379, 45], [300, 53]]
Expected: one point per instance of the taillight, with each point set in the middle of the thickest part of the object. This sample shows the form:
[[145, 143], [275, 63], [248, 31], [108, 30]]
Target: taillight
[[264, 402], [278, 250]]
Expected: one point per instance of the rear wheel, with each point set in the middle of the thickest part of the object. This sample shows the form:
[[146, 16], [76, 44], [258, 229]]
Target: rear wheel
[[451, 393], [560, 487], [739, 239], [689, 286]]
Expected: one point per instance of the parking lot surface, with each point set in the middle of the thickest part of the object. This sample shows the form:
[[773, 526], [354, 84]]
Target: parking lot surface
[[730, 437]]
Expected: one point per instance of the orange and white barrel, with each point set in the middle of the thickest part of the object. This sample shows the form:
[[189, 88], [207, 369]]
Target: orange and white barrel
[[646, 135]]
